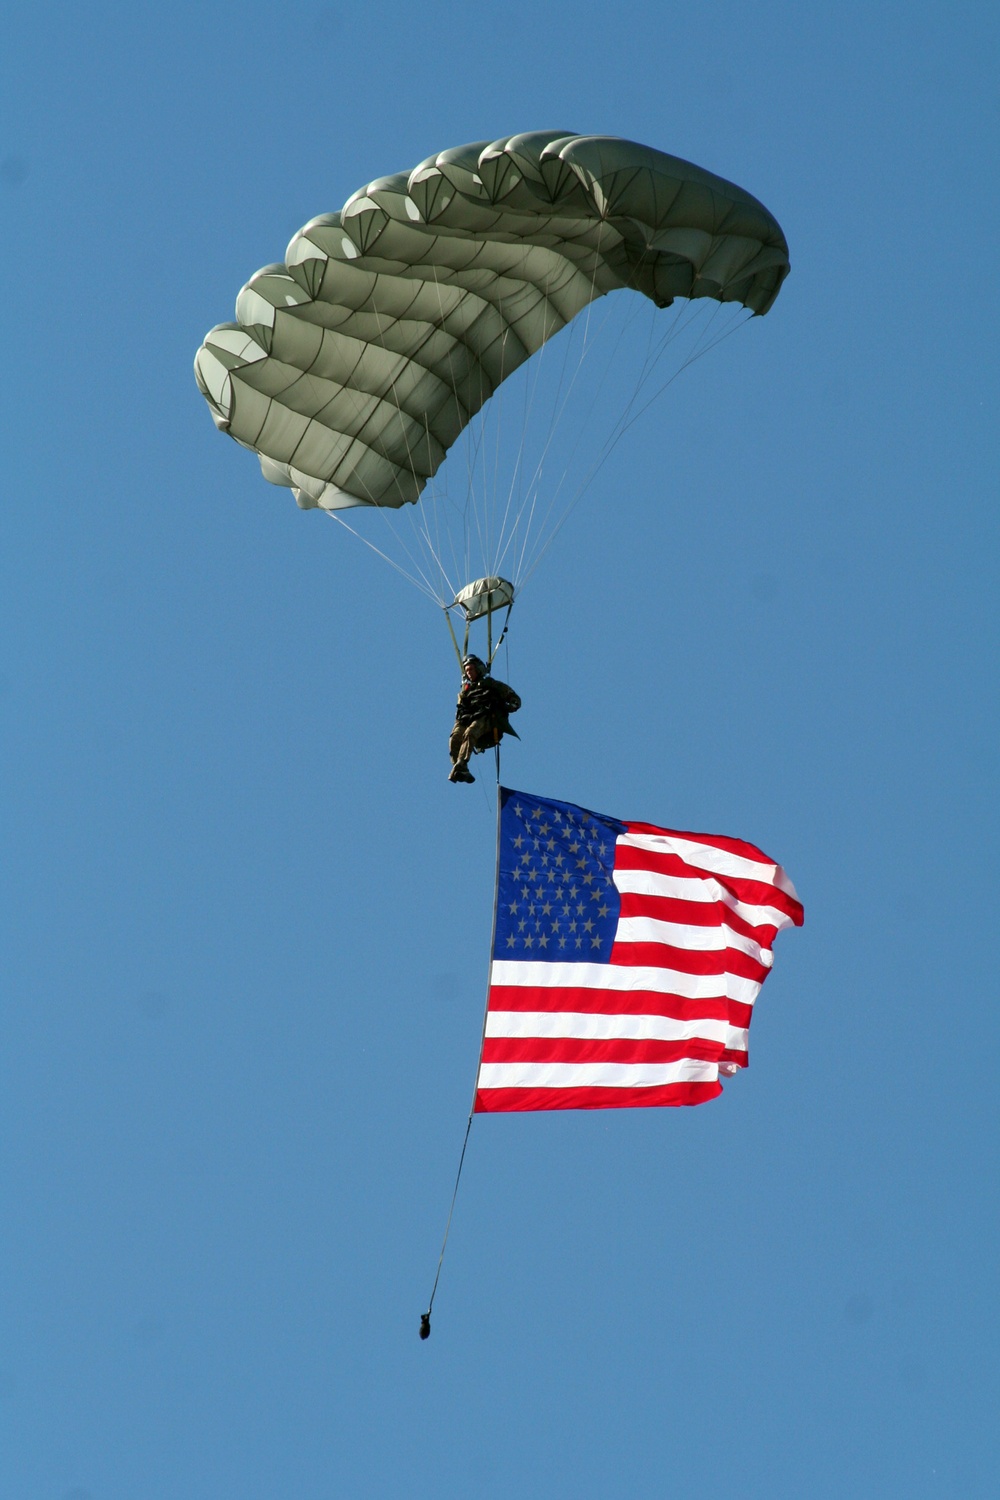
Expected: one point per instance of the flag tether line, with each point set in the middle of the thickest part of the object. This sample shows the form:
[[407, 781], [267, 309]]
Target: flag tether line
[[425, 1318]]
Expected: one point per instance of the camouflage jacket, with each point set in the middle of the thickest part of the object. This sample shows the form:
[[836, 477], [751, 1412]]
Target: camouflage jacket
[[487, 698]]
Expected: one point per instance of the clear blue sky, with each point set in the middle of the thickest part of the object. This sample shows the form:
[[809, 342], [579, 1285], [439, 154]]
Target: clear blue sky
[[247, 919]]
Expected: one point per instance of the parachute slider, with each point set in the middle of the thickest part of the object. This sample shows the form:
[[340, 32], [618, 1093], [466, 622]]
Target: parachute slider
[[483, 597]]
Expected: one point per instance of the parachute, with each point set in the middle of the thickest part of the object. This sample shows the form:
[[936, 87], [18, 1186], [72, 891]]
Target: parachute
[[354, 365]]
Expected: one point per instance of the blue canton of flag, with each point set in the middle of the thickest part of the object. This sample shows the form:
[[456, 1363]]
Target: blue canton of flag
[[556, 899]]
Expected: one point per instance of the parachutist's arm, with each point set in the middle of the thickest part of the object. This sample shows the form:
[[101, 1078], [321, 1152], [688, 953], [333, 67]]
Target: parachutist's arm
[[464, 712]]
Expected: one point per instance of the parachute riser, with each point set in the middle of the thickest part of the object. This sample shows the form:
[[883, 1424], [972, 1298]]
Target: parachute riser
[[461, 652], [486, 597], [454, 639], [506, 626]]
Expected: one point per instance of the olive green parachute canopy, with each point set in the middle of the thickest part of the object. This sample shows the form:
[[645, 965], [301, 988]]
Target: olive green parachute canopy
[[353, 367]]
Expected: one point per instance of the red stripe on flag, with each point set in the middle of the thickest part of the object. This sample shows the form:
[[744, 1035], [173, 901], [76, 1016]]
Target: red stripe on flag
[[694, 914], [688, 960], [751, 892], [740, 1014], [617, 1003], [492, 1101], [738, 847], [571, 1049]]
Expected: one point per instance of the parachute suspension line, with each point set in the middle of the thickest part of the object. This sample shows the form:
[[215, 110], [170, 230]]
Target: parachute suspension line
[[629, 418], [513, 530], [461, 564], [472, 445], [449, 540], [419, 531], [529, 387], [545, 541], [502, 530], [420, 583], [508, 539], [559, 407], [516, 500], [682, 323], [420, 516], [534, 485], [673, 330], [498, 535], [478, 511], [425, 1318], [499, 543], [425, 586], [496, 525], [526, 523], [452, 560], [735, 322], [482, 508], [491, 534], [419, 576], [428, 514]]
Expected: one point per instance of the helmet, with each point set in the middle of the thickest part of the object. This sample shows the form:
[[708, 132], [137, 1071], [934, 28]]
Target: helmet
[[474, 661]]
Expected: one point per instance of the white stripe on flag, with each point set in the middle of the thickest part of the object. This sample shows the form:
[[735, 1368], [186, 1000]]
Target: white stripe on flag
[[523, 1075], [600, 1027], [711, 857], [693, 888], [681, 935], [623, 977]]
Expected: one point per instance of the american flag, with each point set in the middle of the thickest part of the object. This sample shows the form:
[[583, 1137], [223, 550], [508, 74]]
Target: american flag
[[626, 959]]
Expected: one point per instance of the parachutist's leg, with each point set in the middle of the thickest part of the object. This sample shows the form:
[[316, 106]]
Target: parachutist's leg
[[460, 747]]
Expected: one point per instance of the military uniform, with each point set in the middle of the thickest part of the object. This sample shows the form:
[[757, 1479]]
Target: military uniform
[[480, 721]]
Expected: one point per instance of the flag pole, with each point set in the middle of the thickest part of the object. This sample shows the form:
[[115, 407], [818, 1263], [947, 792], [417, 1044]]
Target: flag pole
[[425, 1318]]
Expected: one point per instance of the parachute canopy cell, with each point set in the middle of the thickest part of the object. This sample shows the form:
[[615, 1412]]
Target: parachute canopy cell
[[354, 365]]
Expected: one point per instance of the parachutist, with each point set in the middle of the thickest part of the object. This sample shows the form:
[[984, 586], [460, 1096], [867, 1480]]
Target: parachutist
[[481, 716], [425, 1325]]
